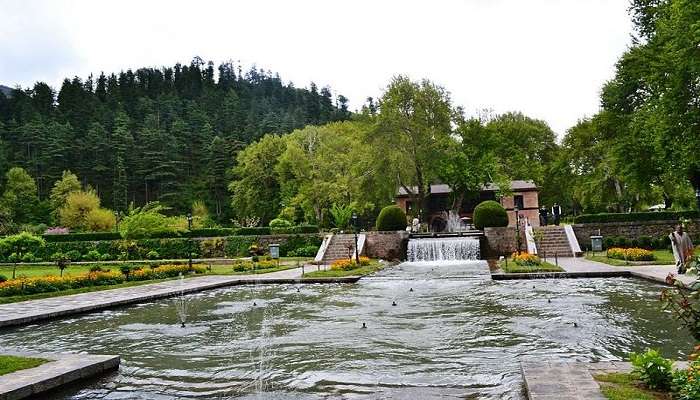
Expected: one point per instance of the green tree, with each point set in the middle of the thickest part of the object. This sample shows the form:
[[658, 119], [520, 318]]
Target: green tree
[[471, 162], [652, 101], [256, 189], [412, 134], [19, 245], [20, 195], [61, 189]]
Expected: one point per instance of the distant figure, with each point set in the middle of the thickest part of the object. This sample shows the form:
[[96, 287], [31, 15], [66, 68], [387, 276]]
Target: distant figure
[[544, 216], [682, 248], [556, 213], [415, 225]]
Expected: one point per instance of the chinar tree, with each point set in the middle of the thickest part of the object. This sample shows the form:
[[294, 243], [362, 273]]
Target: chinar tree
[[653, 101], [413, 133]]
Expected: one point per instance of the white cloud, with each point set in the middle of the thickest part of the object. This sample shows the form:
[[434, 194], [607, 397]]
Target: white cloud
[[547, 58]]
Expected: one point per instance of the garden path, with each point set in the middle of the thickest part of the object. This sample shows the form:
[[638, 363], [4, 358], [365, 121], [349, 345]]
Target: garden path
[[656, 273]]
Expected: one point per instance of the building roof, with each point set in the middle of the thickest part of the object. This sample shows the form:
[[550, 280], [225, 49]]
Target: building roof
[[441, 188]]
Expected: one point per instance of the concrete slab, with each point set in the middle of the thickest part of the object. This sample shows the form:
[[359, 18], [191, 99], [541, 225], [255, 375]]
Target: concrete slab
[[61, 370]]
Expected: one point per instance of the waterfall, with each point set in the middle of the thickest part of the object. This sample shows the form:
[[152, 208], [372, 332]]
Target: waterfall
[[443, 249]]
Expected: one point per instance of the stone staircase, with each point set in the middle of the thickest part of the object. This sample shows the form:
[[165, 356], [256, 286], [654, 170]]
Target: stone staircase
[[554, 240], [341, 246]]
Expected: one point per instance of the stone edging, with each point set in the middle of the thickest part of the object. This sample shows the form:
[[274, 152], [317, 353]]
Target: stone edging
[[560, 275], [61, 370], [48, 314]]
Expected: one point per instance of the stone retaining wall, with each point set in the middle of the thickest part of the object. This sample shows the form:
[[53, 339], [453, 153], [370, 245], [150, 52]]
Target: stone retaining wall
[[500, 241], [386, 245], [631, 230]]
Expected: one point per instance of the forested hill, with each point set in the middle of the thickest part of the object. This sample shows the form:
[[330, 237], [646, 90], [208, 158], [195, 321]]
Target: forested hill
[[166, 134]]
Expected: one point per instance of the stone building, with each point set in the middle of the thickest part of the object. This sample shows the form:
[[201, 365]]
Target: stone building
[[439, 201]]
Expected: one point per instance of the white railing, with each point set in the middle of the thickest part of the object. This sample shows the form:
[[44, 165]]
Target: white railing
[[324, 246], [573, 242]]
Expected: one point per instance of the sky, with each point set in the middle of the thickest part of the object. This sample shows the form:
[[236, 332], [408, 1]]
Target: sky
[[545, 58]]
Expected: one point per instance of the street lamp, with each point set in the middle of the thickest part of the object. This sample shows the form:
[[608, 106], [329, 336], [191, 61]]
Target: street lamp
[[189, 246], [517, 228], [697, 197], [354, 224]]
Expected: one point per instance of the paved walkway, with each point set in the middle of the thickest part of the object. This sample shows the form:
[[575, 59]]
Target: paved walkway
[[26, 312], [557, 380], [61, 369], [656, 273]]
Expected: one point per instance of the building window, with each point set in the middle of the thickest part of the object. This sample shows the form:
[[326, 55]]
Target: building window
[[518, 201]]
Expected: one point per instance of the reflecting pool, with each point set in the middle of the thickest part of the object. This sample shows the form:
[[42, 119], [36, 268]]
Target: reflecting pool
[[453, 333]]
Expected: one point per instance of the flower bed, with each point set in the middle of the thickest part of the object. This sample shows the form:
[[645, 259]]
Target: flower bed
[[630, 254], [526, 259], [348, 264], [52, 283]]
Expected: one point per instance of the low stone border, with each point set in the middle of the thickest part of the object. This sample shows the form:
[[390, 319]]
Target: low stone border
[[23, 313], [61, 370], [560, 275]]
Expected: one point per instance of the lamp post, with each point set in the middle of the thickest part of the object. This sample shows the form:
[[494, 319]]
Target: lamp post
[[697, 197], [517, 228], [354, 224], [189, 245]]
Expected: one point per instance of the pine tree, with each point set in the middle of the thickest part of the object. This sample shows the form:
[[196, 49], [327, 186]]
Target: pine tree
[[119, 186]]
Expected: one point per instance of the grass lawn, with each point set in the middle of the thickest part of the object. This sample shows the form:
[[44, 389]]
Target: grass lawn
[[338, 273], [12, 363], [618, 386], [661, 257], [514, 268]]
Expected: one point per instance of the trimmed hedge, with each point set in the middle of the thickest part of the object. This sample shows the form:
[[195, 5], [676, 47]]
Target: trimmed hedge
[[194, 233], [81, 237], [490, 214], [391, 218], [636, 217], [645, 242]]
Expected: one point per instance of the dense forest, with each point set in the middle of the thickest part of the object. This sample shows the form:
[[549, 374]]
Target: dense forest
[[155, 134]]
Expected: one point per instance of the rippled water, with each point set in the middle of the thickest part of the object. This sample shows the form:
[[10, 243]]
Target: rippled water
[[456, 335]]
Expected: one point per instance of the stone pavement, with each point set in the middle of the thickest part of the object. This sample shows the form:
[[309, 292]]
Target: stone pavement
[[60, 370], [655, 273], [26, 312], [557, 380]]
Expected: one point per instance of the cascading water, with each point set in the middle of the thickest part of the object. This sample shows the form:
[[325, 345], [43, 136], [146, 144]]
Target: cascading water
[[443, 249]]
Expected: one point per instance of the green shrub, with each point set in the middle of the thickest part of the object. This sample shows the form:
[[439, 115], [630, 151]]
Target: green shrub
[[490, 214], [96, 268], [636, 217], [686, 382], [214, 247], [237, 246], [306, 251], [391, 218], [645, 242], [106, 257], [280, 223], [297, 242], [28, 257], [73, 255], [93, 255], [152, 255], [3, 278], [652, 369]]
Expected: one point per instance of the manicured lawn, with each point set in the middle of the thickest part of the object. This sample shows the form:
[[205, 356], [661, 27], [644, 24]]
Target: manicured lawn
[[618, 386], [337, 273], [12, 363], [513, 268], [661, 257]]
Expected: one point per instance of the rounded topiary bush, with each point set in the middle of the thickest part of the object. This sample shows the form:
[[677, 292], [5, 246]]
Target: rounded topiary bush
[[280, 223], [490, 213], [391, 218]]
